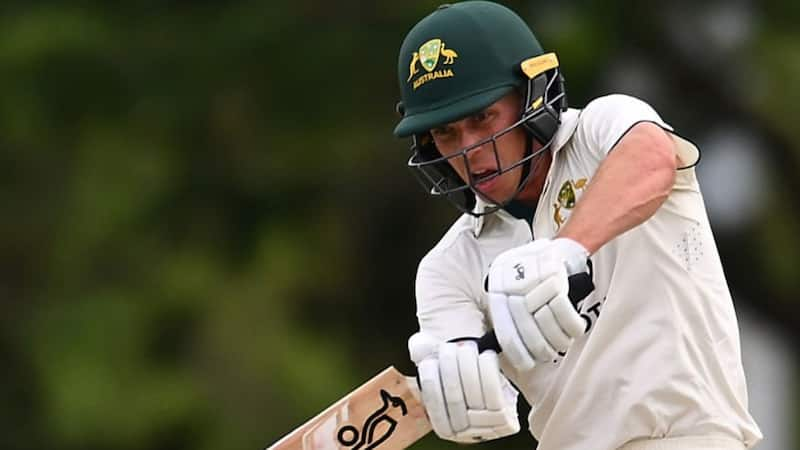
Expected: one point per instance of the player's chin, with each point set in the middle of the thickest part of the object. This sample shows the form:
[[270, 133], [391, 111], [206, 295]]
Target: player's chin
[[498, 190]]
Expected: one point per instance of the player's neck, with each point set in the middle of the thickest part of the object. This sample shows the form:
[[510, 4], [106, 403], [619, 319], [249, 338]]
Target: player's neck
[[540, 165]]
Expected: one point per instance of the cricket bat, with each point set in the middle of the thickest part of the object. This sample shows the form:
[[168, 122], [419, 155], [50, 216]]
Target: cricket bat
[[386, 412]]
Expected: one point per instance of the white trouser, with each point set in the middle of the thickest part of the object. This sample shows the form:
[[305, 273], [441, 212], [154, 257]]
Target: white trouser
[[685, 443]]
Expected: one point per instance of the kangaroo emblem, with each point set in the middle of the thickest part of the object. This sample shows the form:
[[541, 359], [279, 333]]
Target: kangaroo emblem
[[412, 69], [349, 436]]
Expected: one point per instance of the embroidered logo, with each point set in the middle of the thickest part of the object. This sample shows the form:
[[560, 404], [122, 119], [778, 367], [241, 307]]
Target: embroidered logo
[[567, 197], [428, 56], [520, 271]]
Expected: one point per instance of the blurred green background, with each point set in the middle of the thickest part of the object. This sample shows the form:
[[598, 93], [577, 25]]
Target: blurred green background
[[209, 234]]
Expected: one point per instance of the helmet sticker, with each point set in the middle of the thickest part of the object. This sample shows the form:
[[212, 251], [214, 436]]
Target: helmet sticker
[[428, 56], [534, 66]]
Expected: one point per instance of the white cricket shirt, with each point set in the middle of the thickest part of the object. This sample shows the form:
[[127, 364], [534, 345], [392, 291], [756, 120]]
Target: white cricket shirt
[[662, 356]]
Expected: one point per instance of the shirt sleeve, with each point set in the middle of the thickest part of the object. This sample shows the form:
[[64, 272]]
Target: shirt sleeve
[[446, 306], [605, 120]]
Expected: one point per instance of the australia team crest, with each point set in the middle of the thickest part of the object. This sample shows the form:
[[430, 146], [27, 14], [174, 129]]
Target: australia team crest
[[567, 197], [429, 56]]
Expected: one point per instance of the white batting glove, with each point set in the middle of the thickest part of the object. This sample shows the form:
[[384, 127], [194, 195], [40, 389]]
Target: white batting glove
[[532, 315], [466, 397]]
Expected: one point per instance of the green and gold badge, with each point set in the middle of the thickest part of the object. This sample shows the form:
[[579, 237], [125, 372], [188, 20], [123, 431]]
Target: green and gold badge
[[567, 197], [428, 57]]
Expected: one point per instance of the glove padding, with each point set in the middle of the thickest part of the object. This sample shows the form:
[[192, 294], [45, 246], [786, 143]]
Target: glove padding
[[466, 397], [532, 315]]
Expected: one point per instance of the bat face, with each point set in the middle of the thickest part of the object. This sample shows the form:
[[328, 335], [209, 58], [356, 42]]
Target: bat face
[[384, 413]]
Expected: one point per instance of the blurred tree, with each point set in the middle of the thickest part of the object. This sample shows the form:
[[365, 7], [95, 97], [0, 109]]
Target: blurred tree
[[208, 233]]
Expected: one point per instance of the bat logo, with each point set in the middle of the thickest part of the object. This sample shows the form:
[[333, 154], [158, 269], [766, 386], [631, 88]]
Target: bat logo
[[349, 435]]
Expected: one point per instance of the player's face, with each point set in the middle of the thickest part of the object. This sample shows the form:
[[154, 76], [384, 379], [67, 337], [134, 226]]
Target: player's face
[[510, 147]]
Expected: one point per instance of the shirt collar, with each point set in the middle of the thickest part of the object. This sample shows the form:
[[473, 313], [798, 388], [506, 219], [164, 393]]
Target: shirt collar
[[569, 123]]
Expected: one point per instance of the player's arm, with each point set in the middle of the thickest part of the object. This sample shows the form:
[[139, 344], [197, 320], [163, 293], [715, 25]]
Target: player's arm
[[628, 188], [637, 161]]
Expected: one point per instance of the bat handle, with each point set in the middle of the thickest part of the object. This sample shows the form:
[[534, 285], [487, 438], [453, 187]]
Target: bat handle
[[580, 286], [489, 342]]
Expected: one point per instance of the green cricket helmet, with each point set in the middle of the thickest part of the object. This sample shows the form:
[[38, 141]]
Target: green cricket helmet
[[459, 60]]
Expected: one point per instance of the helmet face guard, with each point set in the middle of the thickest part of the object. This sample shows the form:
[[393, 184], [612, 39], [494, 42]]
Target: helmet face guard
[[544, 99]]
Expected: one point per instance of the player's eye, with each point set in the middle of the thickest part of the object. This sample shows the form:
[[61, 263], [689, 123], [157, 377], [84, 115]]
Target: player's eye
[[483, 118], [441, 132]]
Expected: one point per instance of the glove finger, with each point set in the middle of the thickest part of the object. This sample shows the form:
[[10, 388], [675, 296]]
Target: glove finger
[[451, 386], [568, 318], [551, 330], [489, 366], [529, 330], [433, 397], [552, 286], [467, 353], [486, 418], [506, 422], [507, 335], [511, 424]]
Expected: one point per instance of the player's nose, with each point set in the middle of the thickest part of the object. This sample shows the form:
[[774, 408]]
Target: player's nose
[[479, 149], [471, 137]]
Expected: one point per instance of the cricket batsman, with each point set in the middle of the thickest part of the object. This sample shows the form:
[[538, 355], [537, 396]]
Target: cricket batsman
[[650, 359]]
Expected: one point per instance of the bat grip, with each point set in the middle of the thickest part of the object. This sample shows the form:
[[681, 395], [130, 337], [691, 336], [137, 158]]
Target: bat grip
[[580, 286]]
